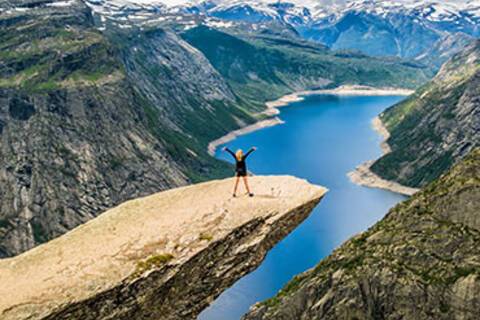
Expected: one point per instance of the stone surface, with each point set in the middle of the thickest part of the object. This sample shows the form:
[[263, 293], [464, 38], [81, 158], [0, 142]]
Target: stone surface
[[166, 256], [422, 261]]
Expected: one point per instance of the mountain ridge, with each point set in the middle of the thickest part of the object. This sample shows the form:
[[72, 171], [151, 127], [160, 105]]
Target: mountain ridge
[[435, 127], [380, 28]]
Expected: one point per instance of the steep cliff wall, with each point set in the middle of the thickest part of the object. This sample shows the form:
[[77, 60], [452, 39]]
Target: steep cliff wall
[[420, 262], [437, 126], [166, 256], [84, 127]]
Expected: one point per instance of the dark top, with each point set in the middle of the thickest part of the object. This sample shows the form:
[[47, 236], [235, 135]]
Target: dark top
[[240, 165]]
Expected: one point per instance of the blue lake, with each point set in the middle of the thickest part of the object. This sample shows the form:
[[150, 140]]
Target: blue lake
[[324, 137]]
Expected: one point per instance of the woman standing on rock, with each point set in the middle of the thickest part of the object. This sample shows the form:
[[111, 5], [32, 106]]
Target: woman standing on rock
[[240, 168]]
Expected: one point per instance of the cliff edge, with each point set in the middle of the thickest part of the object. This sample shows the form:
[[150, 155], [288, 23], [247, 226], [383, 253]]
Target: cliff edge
[[163, 256]]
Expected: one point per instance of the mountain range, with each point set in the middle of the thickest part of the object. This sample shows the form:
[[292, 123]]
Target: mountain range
[[424, 31]]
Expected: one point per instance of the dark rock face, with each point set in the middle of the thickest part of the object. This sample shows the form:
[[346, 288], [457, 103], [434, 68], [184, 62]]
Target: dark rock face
[[60, 169], [419, 262], [435, 127], [20, 109]]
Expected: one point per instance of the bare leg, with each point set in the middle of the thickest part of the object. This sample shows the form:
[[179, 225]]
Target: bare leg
[[245, 181], [236, 185]]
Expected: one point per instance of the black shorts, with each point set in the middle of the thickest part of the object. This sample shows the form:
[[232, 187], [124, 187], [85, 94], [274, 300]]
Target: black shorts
[[241, 173]]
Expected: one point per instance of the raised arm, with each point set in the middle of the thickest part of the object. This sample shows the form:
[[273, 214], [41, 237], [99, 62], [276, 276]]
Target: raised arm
[[248, 153], [230, 151]]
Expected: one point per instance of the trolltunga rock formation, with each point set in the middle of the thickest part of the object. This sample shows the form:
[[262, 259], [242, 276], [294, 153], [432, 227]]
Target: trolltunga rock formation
[[163, 256]]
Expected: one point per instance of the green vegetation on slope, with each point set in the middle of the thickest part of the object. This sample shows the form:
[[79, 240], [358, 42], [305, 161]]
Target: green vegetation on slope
[[43, 55], [419, 262], [261, 68], [178, 89], [436, 126]]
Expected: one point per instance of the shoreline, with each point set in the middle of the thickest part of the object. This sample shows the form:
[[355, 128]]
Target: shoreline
[[346, 90], [212, 146], [272, 108], [364, 176]]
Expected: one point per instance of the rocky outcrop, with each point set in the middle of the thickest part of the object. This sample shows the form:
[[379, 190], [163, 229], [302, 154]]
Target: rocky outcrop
[[437, 126], [422, 261], [166, 256]]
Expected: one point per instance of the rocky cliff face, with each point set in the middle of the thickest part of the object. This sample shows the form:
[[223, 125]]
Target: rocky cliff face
[[436, 126], [422, 261], [189, 95], [83, 126], [166, 256]]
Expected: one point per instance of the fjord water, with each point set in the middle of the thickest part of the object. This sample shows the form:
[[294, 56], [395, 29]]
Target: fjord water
[[324, 137]]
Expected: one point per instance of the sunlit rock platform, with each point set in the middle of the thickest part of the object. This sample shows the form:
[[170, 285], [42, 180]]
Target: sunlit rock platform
[[165, 256]]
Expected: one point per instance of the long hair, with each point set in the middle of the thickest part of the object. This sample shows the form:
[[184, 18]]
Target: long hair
[[239, 154]]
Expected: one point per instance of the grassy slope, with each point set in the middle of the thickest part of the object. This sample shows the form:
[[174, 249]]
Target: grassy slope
[[432, 129], [262, 68], [44, 55]]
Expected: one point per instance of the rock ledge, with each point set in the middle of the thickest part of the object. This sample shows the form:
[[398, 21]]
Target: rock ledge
[[167, 255]]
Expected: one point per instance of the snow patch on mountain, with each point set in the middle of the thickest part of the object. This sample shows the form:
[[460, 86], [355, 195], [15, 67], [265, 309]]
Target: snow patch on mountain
[[293, 11], [441, 16]]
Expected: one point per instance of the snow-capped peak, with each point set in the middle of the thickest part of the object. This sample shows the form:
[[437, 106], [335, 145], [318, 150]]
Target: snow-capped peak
[[292, 12]]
